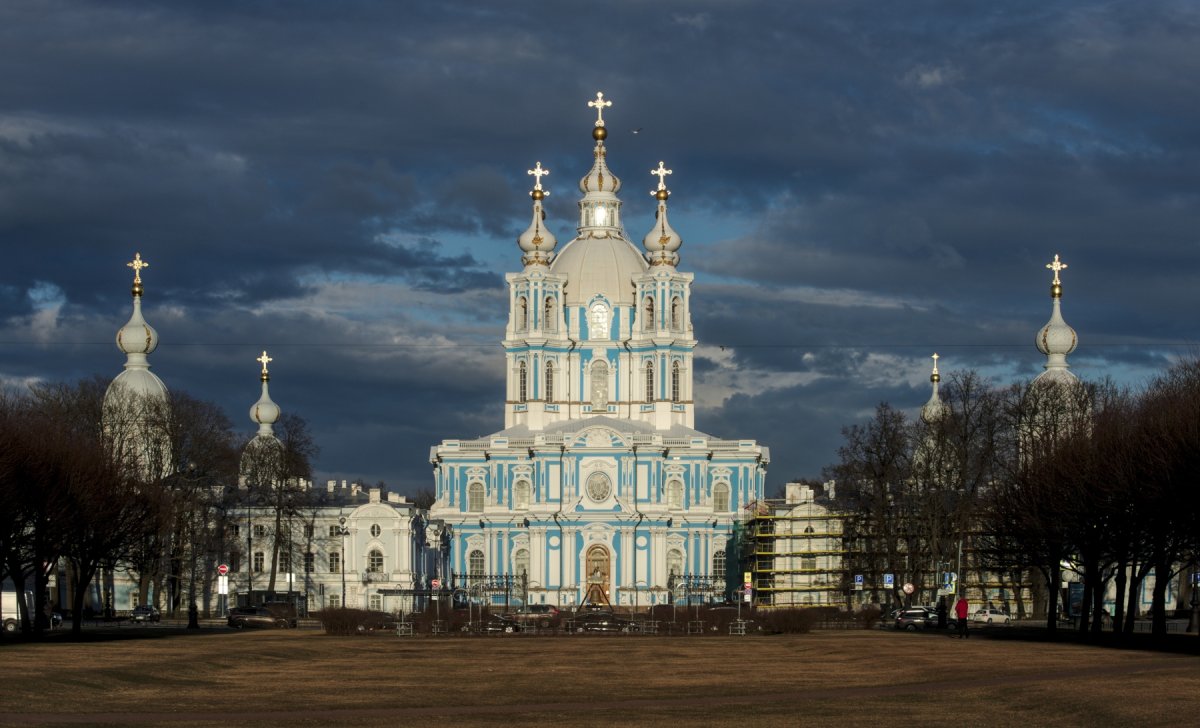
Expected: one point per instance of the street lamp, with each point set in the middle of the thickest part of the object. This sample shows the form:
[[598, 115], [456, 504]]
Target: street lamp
[[343, 532]]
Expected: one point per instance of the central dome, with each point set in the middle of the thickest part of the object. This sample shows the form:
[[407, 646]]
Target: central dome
[[604, 266]]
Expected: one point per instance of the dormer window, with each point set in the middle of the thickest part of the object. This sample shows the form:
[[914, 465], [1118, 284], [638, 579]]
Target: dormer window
[[598, 319]]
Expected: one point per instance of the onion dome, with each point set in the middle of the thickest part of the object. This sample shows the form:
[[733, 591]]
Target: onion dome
[[537, 242], [1056, 339], [599, 210], [137, 339], [264, 411], [662, 241], [934, 409]]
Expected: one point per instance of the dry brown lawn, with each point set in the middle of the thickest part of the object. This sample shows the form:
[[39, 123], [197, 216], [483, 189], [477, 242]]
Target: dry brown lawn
[[825, 678]]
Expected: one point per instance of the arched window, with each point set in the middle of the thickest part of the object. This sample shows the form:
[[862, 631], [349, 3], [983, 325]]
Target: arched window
[[520, 565], [674, 494], [676, 314], [522, 314], [522, 383], [550, 315], [649, 381], [549, 381], [675, 381], [720, 497], [475, 565], [375, 561], [718, 569], [521, 494], [475, 498], [598, 321], [648, 314], [600, 385], [675, 562]]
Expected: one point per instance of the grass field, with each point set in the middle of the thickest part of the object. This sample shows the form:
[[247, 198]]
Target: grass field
[[290, 677]]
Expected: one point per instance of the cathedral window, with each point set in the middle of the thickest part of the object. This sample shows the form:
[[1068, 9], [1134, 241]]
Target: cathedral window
[[649, 381], [521, 494], [549, 381], [475, 498], [550, 315], [522, 314], [675, 562], [335, 562], [475, 565], [720, 497], [648, 315], [375, 561], [375, 530], [522, 383], [718, 566], [675, 381], [674, 494], [676, 314], [600, 385], [520, 566], [598, 321]]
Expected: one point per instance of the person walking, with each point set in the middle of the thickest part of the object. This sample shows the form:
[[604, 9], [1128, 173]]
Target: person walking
[[960, 611]]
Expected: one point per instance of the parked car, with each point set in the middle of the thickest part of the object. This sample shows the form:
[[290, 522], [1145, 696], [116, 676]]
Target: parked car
[[915, 618], [539, 615], [600, 622], [990, 615], [501, 623], [145, 613], [282, 610], [243, 617]]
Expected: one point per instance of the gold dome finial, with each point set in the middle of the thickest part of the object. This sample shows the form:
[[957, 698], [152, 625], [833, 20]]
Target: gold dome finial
[[538, 172], [662, 192], [264, 359], [935, 377], [1056, 287], [137, 264]]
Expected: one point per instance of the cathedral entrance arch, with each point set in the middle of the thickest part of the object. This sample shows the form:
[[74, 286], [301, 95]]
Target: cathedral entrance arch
[[598, 563]]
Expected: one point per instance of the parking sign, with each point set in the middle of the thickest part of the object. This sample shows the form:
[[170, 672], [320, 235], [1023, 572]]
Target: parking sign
[[889, 580], [858, 582]]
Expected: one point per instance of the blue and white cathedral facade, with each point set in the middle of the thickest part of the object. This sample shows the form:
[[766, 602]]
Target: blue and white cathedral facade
[[599, 489]]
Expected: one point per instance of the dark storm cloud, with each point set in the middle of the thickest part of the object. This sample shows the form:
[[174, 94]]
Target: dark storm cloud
[[345, 181]]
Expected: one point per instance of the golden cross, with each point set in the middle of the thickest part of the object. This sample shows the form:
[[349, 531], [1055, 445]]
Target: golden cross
[[661, 173], [599, 105], [935, 358], [538, 173], [137, 264], [1056, 266], [264, 359]]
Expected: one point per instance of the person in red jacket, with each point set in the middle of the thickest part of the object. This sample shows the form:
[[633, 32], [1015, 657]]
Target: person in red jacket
[[960, 611]]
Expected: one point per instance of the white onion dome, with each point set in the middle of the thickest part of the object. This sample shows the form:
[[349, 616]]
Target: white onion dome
[[935, 408], [662, 241], [1056, 339], [265, 412], [136, 339], [600, 260], [537, 242]]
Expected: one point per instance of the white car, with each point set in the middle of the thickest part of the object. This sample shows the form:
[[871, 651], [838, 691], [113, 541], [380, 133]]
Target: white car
[[991, 616]]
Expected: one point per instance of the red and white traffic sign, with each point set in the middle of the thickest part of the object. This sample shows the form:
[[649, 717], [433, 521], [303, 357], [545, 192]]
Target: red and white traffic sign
[[223, 569], [435, 583]]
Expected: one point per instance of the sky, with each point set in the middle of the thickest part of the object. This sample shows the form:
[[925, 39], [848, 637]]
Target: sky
[[857, 185]]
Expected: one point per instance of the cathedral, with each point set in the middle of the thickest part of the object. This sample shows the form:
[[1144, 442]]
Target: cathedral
[[599, 489]]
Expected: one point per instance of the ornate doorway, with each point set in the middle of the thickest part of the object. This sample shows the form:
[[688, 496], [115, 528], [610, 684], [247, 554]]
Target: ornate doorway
[[598, 565]]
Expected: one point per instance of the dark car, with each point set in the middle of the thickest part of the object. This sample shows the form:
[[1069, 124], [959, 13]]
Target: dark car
[[915, 618], [538, 615], [501, 623], [243, 617], [145, 613], [600, 622]]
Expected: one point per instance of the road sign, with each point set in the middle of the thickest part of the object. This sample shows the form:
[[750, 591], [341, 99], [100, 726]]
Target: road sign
[[222, 584], [223, 569], [435, 583], [889, 580], [908, 588], [858, 582]]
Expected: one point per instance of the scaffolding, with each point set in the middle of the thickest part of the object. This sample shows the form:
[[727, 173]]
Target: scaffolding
[[795, 554]]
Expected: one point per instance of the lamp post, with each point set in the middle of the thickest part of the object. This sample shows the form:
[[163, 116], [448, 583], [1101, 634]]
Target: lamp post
[[343, 532]]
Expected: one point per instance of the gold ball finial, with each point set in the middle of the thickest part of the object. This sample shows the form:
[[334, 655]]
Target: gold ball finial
[[662, 194], [538, 194], [599, 133]]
